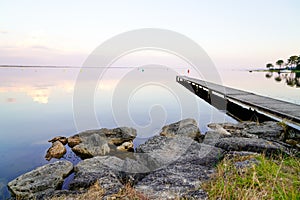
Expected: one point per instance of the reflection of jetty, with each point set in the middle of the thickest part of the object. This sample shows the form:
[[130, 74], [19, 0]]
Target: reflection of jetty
[[240, 104]]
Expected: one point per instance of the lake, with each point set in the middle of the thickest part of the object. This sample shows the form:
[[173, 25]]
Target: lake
[[39, 103]]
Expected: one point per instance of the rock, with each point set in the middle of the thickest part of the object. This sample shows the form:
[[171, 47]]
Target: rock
[[91, 146], [228, 127], [133, 171], [250, 144], [118, 136], [73, 141], [267, 130], [179, 165], [109, 171], [61, 139], [218, 128], [175, 182], [42, 180], [100, 142], [187, 127], [57, 150], [102, 169], [212, 137], [126, 146], [60, 194], [161, 151]]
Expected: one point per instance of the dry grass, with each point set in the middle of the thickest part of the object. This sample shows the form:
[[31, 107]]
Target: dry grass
[[128, 193], [96, 192], [269, 179]]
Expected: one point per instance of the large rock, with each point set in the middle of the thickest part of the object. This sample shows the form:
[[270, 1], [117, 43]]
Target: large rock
[[94, 145], [115, 136], [212, 137], [267, 130], [176, 181], [162, 151], [57, 150], [42, 180], [109, 171], [187, 127], [179, 166], [101, 169], [250, 144]]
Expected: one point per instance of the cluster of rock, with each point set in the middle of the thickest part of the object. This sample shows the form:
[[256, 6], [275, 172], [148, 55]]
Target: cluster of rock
[[93, 143], [167, 166]]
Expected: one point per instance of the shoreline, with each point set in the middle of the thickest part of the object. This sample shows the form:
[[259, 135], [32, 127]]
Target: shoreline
[[183, 136]]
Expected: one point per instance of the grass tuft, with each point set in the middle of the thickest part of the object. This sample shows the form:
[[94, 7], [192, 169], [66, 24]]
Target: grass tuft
[[96, 192], [270, 178], [128, 193]]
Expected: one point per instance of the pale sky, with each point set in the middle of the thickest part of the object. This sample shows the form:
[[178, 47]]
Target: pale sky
[[234, 33]]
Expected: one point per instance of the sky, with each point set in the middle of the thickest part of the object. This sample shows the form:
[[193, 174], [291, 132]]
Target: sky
[[234, 33]]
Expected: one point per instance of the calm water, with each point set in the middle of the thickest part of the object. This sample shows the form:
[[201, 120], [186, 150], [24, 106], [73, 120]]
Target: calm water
[[37, 104]]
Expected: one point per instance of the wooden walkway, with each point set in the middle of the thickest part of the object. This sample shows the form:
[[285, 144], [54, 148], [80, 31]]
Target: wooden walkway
[[278, 108]]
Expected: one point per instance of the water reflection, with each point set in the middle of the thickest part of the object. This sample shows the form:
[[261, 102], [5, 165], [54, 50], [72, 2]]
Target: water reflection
[[291, 79]]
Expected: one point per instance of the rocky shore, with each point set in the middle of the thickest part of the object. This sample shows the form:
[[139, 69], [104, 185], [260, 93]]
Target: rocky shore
[[167, 166]]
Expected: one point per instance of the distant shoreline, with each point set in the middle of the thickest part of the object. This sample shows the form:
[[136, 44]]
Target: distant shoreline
[[275, 70]]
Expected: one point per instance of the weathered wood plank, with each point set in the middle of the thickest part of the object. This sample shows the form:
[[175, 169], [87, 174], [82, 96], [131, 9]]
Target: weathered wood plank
[[282, 109]]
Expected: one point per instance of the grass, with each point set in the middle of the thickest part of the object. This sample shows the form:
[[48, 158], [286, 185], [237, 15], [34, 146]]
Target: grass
[[129, 193], [96, 192], [271, 178]]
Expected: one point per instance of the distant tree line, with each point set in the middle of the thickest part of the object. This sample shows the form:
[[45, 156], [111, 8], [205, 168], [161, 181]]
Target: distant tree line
[[292, 63]]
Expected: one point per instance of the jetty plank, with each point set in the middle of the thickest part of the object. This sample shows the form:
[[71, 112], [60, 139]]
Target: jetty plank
[[278, 108]]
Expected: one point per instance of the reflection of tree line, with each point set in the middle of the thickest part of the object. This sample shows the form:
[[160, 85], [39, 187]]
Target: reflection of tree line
[[293, 63], [291, 79]]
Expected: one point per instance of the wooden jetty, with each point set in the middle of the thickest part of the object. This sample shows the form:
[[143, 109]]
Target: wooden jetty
[[241, 104]]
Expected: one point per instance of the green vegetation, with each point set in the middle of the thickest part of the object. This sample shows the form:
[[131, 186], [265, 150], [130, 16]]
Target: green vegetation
[[271, 178], [293, 63], [270, 66], [280, 63]]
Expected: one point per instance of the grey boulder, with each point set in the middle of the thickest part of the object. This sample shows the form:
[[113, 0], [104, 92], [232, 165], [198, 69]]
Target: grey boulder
[[91, 146], [179, 166], [187, 127], [161, 151], [250, 144], [267, 130], [110, 172], [42, 180]]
